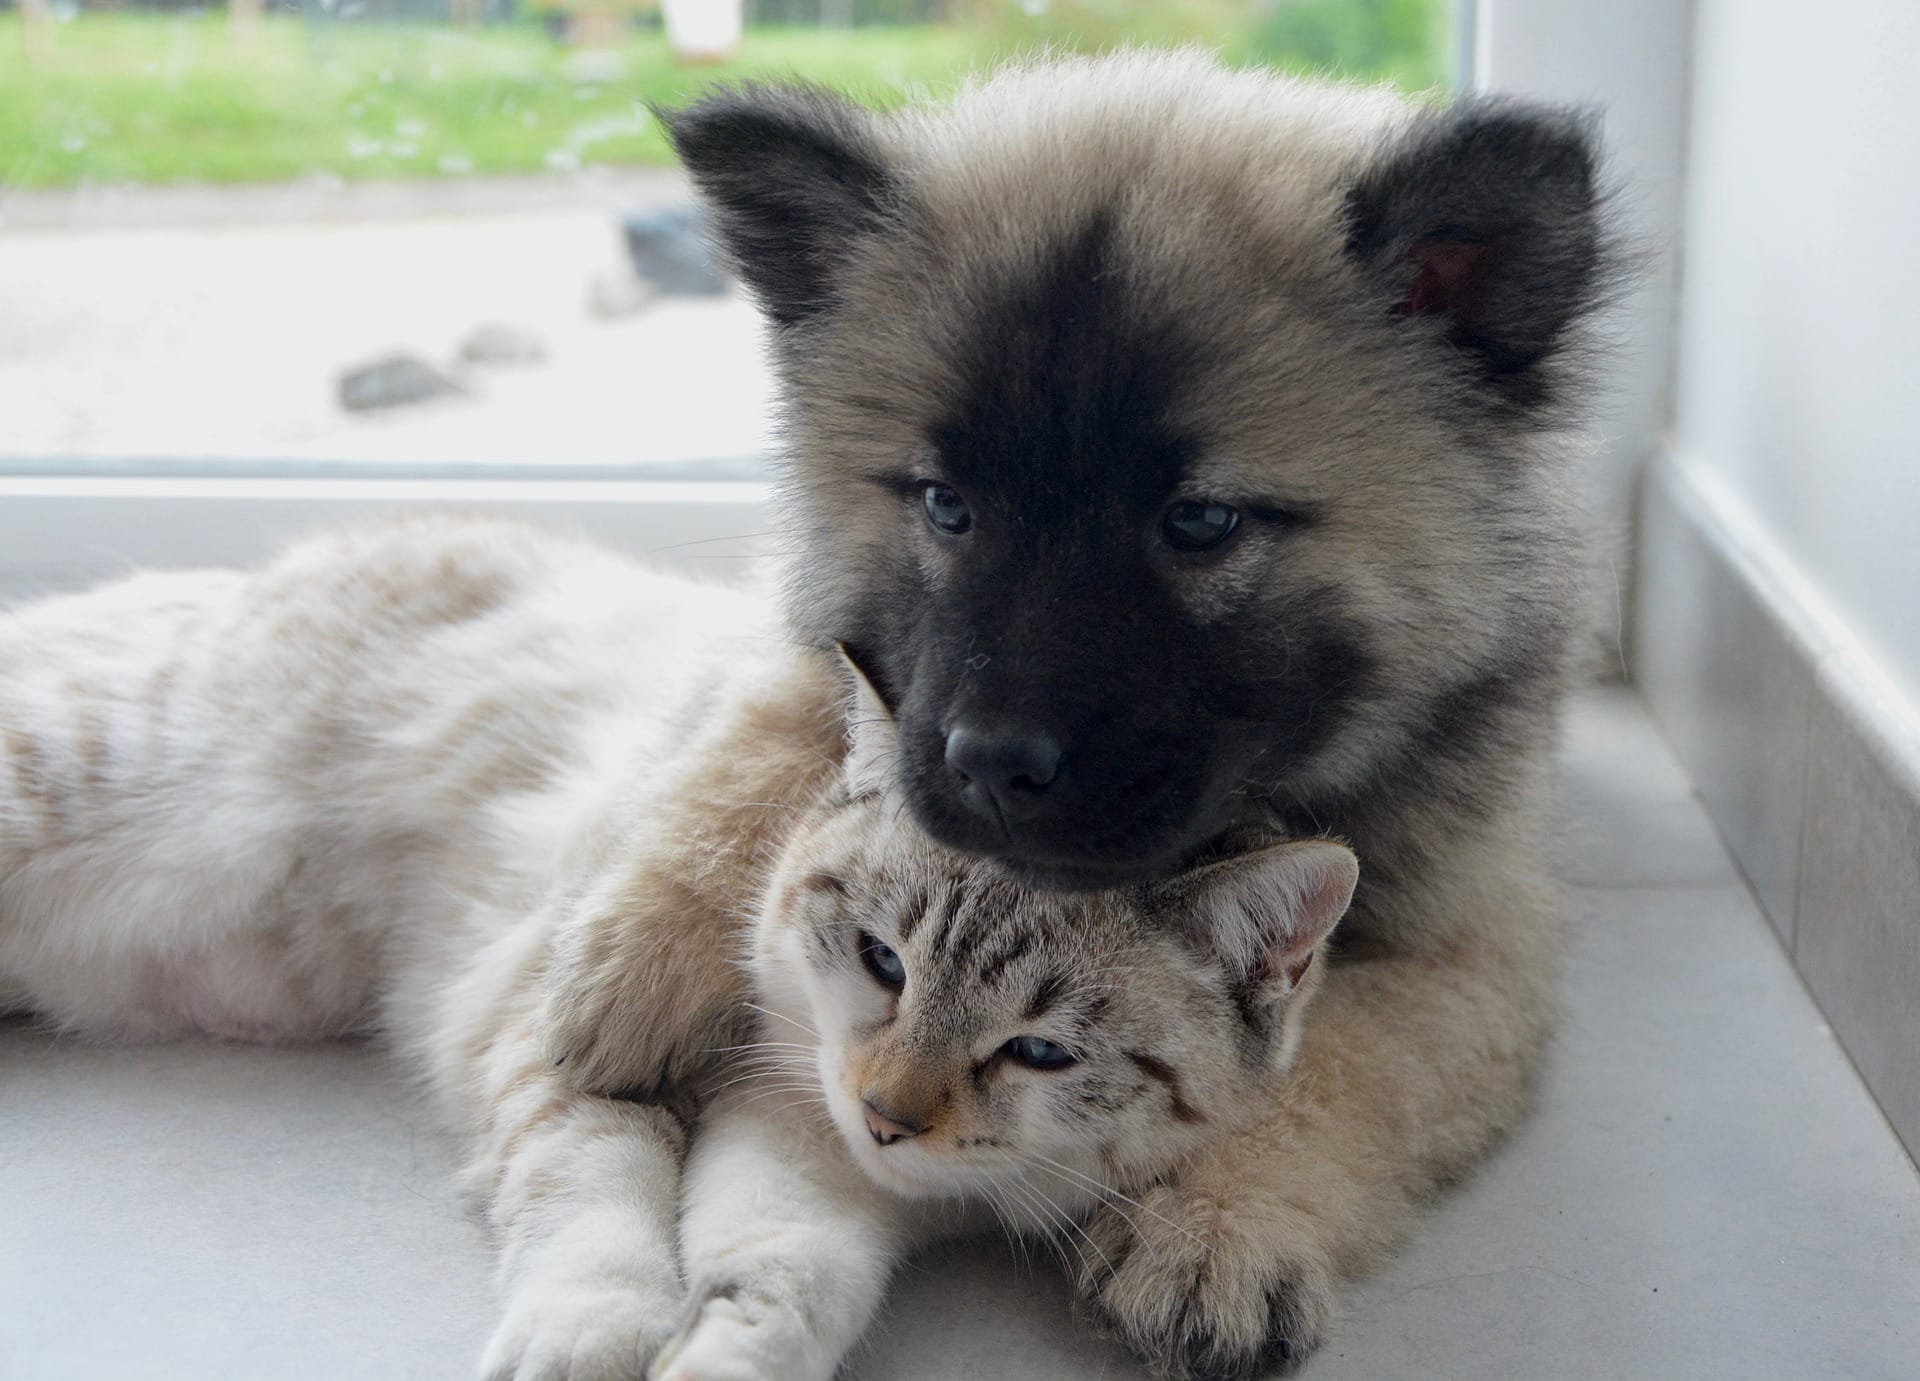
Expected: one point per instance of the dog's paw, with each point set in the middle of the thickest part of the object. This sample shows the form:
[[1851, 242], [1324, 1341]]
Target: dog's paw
[[587, 1333], [729, 1335], [1202, 1293]]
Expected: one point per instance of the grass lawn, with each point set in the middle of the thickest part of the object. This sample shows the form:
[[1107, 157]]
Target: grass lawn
[[169, 98], [151, 98]]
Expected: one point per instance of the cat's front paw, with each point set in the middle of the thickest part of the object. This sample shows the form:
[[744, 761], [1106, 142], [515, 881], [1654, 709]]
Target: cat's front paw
[[587, 1333], [731, 1336], [1202, 1292]]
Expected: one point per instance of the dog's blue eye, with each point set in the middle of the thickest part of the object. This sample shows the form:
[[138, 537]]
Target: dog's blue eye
[[1191, 525], [946, 510], [1035, 1053], [887, 968]]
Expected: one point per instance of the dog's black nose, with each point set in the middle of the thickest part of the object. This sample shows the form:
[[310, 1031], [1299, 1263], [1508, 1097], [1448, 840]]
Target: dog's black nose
[[1002, 771]]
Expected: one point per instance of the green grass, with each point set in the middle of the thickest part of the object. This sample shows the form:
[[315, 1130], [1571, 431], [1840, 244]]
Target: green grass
[[155, 98]]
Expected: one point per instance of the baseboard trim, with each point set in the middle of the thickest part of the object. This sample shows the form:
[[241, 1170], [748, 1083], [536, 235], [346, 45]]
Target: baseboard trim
[[1806, 754]]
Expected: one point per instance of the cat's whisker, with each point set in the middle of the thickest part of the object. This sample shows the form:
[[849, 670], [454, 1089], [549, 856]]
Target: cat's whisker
[[1073, 1224], [1007, 1228], [796, 1098], [807, 1088], [782, 1016], [802, 1058], [1039, 1222], [1042, 1229], [1048, 1213], [780, 1077], [780, 1059], [771, 1066], [1064, 1232], [790, 1049], [788, 1084], [785, 1050], [1107, 1191], [770, 1072]]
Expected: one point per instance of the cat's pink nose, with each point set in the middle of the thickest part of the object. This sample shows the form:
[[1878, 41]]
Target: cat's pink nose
[[886, 1130]]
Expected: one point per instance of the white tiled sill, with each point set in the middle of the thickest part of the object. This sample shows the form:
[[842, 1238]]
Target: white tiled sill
[[1706, 1191]]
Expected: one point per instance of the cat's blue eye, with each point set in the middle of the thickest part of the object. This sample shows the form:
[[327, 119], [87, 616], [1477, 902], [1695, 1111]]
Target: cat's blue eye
[[887, 968], [1036, 1053]]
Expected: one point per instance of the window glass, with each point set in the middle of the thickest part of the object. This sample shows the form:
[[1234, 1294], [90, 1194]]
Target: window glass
[[445, 236]]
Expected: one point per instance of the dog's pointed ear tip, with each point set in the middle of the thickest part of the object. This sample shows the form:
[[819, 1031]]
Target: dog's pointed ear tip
[[695, 114], [1507, 123], [763, 108]]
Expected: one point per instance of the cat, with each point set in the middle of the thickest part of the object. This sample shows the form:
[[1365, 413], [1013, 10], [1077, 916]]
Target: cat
[[402, 779], [938, 1034]]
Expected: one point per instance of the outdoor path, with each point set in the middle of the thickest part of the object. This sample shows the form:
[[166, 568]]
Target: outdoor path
[[198, 324], [1707, 1190], [324, 198]]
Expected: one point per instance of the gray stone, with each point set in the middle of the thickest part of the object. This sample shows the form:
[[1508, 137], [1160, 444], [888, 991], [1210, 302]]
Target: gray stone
[[618, 293], [669, 250], [392, 382], [499, 342]]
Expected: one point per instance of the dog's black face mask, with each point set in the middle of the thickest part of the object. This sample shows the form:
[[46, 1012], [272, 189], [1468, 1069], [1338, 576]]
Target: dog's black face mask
[[1060, 707], [1061, 717], [1020, 556]]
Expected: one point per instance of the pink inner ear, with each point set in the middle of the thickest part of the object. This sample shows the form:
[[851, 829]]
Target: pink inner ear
[[1273, 968], [1443, 275]]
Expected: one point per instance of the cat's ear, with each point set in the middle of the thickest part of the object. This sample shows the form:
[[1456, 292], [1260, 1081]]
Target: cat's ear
[[793, 177], [873, 738], [1265, 912]]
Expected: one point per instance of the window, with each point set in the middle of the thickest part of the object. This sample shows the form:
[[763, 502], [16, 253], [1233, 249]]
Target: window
[[280, 257]]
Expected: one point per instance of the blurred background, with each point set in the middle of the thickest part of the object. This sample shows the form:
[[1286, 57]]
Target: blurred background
[[445, 233]]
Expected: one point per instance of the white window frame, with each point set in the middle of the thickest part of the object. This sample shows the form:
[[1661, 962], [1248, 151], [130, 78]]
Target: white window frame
[[61, 532]]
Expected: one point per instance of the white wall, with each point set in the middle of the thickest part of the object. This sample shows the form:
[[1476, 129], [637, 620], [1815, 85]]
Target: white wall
[[1799, 339], [1629, 58]]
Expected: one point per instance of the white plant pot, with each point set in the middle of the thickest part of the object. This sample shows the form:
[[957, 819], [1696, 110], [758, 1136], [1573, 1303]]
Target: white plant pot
[[703, 30]]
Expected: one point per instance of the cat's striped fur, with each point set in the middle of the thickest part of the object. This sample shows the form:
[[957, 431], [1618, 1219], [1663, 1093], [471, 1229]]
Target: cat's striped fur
[[436, 780]]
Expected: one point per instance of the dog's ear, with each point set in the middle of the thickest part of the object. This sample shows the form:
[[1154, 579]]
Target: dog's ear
[[873, 738], [1488, 216], [793, 176], [1265, 912]]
